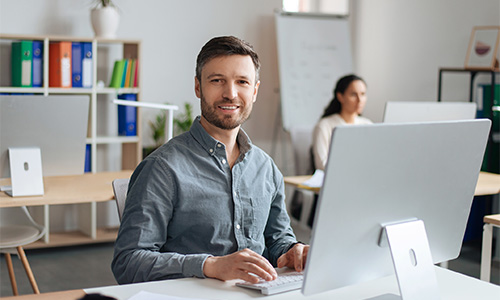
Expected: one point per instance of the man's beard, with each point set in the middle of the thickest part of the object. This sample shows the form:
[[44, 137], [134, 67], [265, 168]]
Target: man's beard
[[225, 122]]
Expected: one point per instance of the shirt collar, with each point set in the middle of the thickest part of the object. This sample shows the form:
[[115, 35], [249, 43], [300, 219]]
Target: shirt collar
[[210, 144]]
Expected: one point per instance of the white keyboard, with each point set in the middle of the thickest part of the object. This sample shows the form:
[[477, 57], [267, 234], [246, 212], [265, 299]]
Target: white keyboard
[[285, 282]]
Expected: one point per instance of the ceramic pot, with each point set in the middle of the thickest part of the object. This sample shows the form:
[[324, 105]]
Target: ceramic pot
[[105, 22]]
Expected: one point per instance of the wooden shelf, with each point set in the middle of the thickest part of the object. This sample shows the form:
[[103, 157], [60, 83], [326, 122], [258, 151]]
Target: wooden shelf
[[71, 238]]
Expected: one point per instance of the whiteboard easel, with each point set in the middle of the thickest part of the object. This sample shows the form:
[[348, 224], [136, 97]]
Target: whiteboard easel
[[314, 51]]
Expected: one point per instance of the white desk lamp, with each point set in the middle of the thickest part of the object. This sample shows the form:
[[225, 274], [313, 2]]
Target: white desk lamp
[[169, 108]]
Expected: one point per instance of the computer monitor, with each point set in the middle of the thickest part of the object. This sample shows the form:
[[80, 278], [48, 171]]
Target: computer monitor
[[55, 124], [383, 174], [426, 111]]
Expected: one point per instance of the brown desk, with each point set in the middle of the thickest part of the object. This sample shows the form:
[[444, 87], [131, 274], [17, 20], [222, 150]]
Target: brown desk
[[85, 190], [487, 183]]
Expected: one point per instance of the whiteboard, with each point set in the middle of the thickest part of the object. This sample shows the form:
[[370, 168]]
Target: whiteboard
[[314, 51]]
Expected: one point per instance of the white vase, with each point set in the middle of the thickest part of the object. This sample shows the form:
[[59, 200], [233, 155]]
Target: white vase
[[105, 22]]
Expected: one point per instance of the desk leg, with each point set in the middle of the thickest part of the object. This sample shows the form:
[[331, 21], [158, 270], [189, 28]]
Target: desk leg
[[46, 223], [87, 219]]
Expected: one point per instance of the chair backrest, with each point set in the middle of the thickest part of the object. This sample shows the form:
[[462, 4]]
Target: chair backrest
[[301, 143], [120, 187]]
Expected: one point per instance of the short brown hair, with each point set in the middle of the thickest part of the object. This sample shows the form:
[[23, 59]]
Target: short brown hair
[[225, 46]]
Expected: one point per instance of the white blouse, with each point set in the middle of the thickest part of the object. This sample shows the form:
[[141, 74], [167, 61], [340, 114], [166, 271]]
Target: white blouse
[[322, 136]]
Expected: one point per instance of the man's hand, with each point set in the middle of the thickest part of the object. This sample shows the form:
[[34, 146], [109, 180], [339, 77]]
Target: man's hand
[[295, 258], [238, 265]]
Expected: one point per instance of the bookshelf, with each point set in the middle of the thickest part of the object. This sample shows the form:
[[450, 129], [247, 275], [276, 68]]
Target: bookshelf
[[490, 110], [102, 135], [131, 146]]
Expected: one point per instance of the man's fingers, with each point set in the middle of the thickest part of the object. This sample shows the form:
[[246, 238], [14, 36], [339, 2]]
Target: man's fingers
[[258, 263], [257, 270], [298, 258], [247, 277], [283, 261]]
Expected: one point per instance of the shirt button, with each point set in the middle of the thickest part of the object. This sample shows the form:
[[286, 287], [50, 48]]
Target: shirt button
[[238, 226], [211, 150], [219, 145], [223, 161]]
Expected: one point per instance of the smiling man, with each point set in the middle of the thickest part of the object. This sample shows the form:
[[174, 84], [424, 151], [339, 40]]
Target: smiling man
[[209, 203]]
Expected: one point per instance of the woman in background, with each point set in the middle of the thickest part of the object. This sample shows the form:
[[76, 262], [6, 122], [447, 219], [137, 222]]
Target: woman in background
[[349, 99]]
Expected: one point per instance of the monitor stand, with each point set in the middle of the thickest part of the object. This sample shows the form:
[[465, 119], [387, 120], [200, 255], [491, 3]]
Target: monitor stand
[[25, 172], [412, 261]]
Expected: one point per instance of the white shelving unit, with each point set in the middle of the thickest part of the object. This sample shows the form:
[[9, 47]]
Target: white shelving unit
[[131, 146]]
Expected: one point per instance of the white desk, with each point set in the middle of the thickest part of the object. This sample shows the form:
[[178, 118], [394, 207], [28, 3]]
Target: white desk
[[452, 285]]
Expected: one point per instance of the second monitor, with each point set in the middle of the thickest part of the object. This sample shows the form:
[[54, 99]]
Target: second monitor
[[427, 111]]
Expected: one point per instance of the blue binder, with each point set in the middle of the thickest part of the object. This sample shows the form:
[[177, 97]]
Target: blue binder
[[88, 159], [76, 64], [127, 116], [37, 64], [87, 64]]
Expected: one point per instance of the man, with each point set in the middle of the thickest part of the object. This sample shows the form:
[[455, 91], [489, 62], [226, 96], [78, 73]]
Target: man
[[209, 203]]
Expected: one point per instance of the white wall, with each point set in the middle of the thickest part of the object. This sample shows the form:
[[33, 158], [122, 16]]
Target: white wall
[[172, 33], [399, 46]]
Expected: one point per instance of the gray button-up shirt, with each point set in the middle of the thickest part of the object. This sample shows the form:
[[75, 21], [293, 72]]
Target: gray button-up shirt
[[185, 204]]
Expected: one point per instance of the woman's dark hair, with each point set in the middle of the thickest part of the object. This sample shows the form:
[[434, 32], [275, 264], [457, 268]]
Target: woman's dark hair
[[342, 84]]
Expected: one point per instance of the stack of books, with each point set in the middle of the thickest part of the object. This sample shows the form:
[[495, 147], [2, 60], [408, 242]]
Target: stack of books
[[124, 73]]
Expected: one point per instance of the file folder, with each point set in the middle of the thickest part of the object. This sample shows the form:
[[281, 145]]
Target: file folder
[[21, 57], [124, 74], [88, 158], [37, 64], [136, 73], [87, 65], [128, 73], [60, 64], [76, 64], [116, 77], [132, 73], [127, 116]]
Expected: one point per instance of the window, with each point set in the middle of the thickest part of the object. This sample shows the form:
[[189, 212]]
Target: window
[[336, 7]]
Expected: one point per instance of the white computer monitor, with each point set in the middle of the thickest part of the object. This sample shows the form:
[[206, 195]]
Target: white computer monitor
[[55, 124], [426, 111], [383, 174]]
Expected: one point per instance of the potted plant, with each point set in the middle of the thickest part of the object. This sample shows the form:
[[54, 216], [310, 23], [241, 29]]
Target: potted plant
[[158, 133], [105, 19], [182, 123]]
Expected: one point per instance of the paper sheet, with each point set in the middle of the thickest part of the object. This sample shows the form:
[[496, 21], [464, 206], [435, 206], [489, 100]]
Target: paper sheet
[[316, 180], [143, 295]]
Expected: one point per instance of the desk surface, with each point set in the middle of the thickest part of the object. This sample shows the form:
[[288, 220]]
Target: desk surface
[[452, 285], [89, 187], [487, 183]]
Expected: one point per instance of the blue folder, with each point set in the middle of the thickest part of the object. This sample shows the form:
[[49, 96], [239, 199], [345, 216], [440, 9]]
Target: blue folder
[[88, 159], [76, 64], [127, 116], [37, 64], [87, 65]]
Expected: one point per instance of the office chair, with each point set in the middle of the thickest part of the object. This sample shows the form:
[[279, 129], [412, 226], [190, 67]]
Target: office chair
[[120, 187], [490, 222], [17, 228]]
